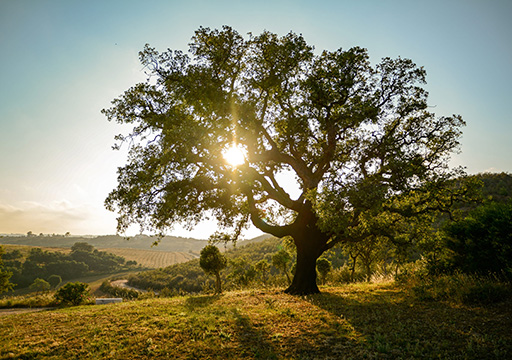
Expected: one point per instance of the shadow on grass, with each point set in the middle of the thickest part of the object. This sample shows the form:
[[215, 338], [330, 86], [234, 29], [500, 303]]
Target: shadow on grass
[[253, 339], [194, 302], [392, 326]]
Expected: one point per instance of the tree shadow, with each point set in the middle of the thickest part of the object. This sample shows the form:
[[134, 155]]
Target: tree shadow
[[194, 302], [398, 327], [253, 339]]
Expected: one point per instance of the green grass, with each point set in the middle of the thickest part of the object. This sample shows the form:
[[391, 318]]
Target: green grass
[[357, 321]]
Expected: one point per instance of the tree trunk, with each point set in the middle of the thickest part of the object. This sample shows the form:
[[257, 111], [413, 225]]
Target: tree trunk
[[218, 283], [310, 245]]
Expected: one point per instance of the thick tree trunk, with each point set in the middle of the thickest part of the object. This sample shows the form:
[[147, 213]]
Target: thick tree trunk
[[310, 245]]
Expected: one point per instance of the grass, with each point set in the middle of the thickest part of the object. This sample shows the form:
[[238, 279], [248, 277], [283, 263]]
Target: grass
[[374, 321]]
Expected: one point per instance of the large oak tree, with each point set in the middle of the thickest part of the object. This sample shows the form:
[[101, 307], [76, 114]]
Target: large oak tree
[[355, 137]]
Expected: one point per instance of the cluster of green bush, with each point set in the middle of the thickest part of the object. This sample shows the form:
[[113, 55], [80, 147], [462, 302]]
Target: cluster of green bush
[[43, 269]]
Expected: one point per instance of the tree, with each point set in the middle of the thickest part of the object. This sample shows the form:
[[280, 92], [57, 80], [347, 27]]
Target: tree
[[73, 293], [40, 285], [280, 260], [262, 267], [324, 267], [212, 262], [4, 275], [482, 242], [214, 131], [82, 246]]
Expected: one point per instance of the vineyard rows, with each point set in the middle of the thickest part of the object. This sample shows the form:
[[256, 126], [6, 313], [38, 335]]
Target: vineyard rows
[[152, 258]]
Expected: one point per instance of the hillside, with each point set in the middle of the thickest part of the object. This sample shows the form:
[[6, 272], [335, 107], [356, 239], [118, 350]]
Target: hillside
[[144, 242], [351, 322]]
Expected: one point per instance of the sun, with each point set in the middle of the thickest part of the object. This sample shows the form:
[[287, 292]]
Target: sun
[[234, 155]]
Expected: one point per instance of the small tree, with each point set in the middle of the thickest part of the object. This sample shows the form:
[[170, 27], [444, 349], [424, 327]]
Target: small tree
[[280, 260], [72, 293], [212, 262], [323, 266], [262, 268], [40, 285], [54, 281]]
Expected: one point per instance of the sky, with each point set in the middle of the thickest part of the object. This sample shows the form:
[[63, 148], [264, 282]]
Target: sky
[[62, 61]]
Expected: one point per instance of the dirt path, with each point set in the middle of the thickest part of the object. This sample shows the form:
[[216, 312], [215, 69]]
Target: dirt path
[[124, 284]]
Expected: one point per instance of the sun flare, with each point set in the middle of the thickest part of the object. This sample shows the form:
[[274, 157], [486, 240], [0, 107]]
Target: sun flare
[[234, 155]]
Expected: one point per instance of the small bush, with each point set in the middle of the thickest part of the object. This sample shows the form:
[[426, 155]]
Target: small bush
[[72, 293], [343, 275]]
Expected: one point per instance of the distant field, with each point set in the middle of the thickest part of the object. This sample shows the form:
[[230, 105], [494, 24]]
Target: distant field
[[145, 258], [152, 258]]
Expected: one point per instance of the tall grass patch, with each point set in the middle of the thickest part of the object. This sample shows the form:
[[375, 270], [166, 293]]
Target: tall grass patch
[[459, 288]]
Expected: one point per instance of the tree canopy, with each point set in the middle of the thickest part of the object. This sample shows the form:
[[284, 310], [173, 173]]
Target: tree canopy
[[358, 139]]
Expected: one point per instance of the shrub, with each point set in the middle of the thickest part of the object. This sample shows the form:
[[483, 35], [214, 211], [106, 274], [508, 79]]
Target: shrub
[[73, 293]]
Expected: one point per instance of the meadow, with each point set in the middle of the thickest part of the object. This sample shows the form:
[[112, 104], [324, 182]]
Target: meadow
[[373, 321]]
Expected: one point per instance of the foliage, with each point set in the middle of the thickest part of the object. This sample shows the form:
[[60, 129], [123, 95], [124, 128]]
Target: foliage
[[281, 260], [242, 271], [357, 137], [39, 263], [40, 285], [189, 277], [323, 266], [262, 268], [213, 262], [4, 275], [482, 242], [72, 293]]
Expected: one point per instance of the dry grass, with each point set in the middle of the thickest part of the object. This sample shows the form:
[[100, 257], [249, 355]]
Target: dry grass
[[362, 321]]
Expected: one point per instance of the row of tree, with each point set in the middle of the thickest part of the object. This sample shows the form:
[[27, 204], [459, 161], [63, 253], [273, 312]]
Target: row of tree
[[45, 265]]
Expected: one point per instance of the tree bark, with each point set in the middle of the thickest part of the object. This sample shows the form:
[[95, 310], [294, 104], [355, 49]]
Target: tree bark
[[310, 244]]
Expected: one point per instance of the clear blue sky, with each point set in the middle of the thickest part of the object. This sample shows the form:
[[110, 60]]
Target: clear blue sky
[[63, 61]]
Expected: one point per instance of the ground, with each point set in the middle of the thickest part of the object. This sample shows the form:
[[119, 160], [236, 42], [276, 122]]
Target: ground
[[357, 321]]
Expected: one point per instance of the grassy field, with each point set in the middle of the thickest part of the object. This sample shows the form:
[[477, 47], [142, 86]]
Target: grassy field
[[351, 322]]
